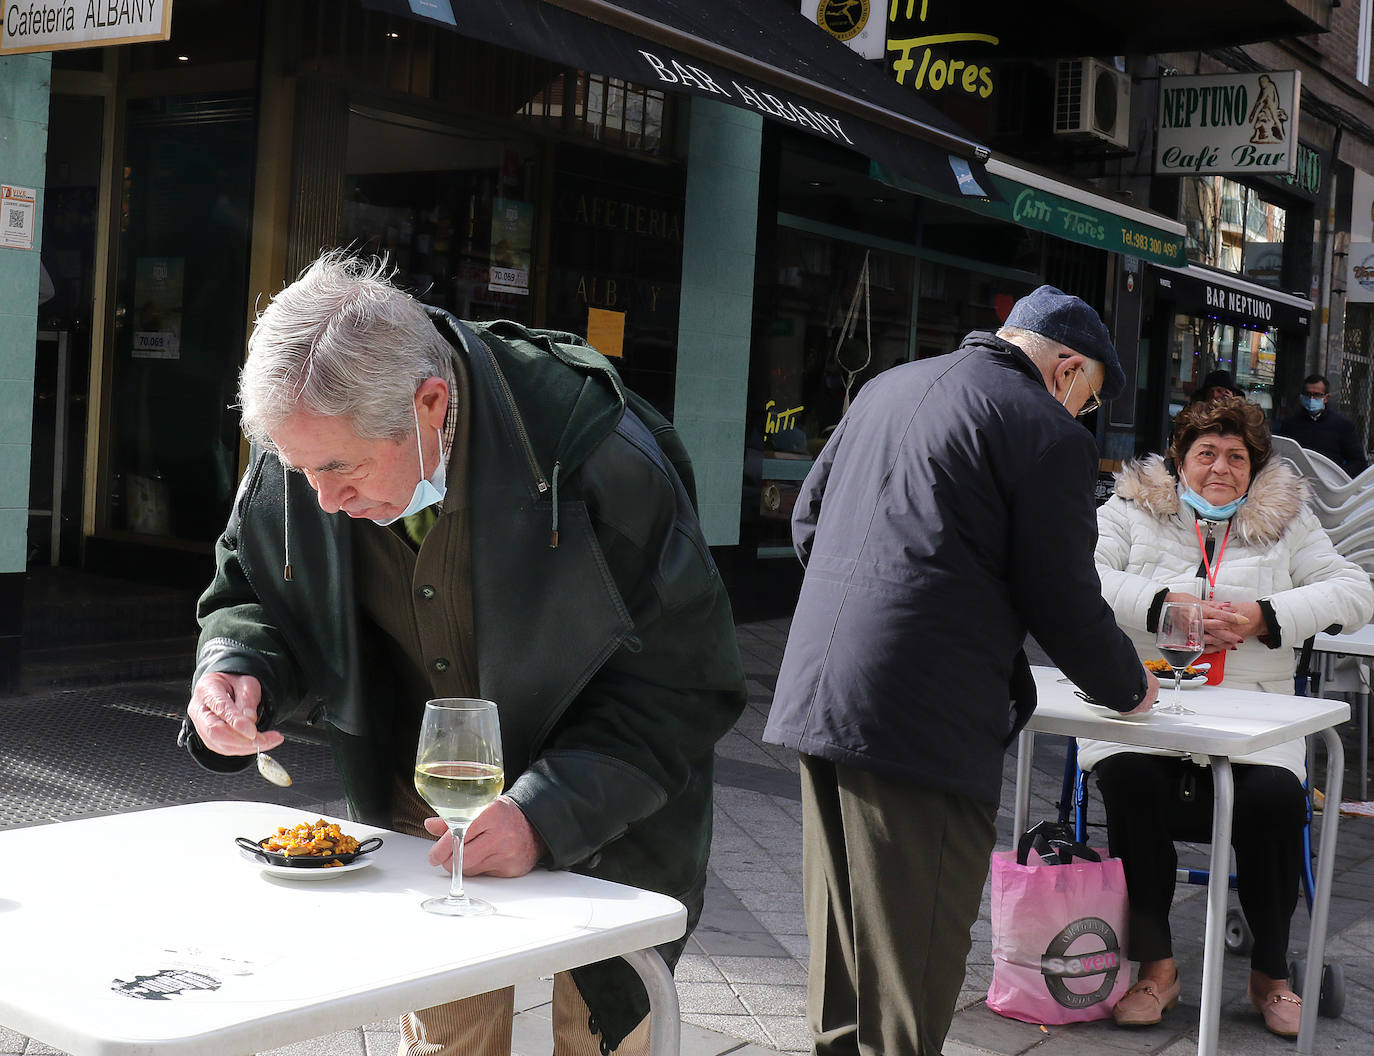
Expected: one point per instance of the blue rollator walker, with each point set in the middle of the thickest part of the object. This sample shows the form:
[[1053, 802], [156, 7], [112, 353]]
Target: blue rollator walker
[[1073, 800]]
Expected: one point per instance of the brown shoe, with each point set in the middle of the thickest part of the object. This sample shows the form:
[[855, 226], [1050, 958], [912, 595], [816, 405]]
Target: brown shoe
[[1281, 1009], [1144, 1004]]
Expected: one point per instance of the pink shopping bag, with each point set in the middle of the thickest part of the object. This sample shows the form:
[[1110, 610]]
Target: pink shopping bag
[[1059, 938]]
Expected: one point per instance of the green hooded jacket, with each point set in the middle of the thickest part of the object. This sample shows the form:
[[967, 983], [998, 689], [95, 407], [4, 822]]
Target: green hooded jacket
[[603, 629]]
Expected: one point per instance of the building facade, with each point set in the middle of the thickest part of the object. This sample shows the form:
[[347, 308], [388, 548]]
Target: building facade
[[751, 245]]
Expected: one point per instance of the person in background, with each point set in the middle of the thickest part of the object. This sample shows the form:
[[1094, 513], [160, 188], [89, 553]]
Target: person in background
[[1322, 430], [446, 509], [950, 512], [1215, 386], [1223, 521]]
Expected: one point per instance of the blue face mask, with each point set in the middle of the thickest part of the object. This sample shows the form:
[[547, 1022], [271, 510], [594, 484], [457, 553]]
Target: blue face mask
[[1205, 509], [1314, 404], [427, 492]]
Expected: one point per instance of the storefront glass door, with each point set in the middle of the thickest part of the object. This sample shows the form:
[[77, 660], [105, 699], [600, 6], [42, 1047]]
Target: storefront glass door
[[180, 314]]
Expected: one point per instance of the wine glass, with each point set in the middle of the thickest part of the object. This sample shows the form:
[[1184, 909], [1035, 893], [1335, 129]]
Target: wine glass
[[1179, 641], [458, 771]]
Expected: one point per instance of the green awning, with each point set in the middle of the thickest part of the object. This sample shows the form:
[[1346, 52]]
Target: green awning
[[1043, 203]]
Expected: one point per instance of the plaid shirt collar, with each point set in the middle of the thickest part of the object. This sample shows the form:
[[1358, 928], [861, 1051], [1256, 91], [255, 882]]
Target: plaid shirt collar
[[450, 422]]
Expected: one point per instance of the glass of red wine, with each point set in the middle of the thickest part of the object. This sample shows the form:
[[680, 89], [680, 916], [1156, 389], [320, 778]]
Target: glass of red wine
[[1179, 641]]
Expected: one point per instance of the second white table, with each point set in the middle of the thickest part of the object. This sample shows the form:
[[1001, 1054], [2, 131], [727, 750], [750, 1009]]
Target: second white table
[[1227, 723]]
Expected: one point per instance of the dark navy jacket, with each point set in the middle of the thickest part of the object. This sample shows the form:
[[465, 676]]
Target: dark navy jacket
[[951, 512], [1330, 434]]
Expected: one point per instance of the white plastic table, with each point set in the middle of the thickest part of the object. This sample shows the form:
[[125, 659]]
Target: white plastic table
[[1356, 643], [1227, 723], [231, 960]]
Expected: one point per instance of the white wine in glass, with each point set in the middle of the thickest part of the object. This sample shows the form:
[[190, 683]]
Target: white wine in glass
[[458, 772]]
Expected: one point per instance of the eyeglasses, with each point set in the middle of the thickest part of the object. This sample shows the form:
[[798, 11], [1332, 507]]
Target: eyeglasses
[[1094, 401]]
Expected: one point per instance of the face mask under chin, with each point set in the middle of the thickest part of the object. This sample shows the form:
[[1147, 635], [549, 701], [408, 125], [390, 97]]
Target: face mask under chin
[[428, 491], [1205, 509]]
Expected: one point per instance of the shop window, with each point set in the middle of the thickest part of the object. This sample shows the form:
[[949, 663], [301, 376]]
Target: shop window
[[1234, 228], [955, 301], [452, 209], [1200, 345], [811, 363], [615, 261], [605, 109]]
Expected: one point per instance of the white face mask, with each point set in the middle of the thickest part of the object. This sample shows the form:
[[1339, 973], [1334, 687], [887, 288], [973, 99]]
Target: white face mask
[[1065, 401], [428, 492]]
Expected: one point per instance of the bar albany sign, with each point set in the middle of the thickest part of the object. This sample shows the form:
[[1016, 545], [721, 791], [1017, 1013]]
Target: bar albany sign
[[1228, 124], [51, 25]]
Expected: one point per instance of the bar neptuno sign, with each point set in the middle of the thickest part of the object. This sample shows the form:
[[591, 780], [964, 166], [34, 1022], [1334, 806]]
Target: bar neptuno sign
[[51, 25], [1226, 124]]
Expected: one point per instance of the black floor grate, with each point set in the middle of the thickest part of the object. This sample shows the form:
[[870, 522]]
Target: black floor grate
[[113, 749]]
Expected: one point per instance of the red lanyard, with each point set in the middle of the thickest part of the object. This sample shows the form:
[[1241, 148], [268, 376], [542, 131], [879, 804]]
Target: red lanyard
[[1207, 566]]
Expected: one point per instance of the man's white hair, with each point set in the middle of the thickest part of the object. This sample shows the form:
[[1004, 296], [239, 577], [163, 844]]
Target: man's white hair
[[1041, 350], [341, 341]]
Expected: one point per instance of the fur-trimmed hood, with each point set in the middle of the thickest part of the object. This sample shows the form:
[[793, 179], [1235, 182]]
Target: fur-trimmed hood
[[1277, 495]]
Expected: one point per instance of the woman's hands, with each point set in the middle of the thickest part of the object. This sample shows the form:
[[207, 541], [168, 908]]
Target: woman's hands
[[1225, 624]]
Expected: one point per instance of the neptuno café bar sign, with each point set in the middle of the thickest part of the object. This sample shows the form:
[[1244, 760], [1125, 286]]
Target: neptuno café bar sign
[[1226, 124], [50, 25]]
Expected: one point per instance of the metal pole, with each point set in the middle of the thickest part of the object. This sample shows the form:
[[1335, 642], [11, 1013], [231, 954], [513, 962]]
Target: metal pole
[[1025, 751], [1214, 944], [1321, 897], [59, 445], [665, 1019]]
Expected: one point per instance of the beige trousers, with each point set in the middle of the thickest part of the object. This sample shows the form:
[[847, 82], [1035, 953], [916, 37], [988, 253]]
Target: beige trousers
[[481, 1026]]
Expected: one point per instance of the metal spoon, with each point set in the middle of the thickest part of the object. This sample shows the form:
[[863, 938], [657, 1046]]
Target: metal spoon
[[272, 770]]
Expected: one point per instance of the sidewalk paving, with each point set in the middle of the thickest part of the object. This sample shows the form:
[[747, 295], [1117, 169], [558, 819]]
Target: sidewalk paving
[[742, 978]]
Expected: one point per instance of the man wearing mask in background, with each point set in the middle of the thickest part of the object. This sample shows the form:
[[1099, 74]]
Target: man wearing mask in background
[[1322, 430], [950, 512]]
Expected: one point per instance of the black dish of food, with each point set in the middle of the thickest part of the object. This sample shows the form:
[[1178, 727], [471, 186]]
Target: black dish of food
[[305, 861]]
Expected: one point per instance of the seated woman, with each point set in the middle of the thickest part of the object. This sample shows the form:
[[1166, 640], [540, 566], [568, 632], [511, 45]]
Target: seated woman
[[1221, 521]]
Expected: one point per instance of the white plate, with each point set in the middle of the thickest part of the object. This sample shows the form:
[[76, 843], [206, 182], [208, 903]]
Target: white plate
[[291, 872], [1167, 683]]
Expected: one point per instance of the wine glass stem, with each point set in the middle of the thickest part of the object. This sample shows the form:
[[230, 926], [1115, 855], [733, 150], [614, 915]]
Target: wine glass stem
[[1178, 688], [455, 885]]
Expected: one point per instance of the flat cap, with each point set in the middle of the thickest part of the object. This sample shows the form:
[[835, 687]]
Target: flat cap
[[1071, 321]]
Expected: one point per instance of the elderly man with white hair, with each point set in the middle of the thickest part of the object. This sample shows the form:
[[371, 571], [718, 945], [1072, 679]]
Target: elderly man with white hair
[[445, 509]]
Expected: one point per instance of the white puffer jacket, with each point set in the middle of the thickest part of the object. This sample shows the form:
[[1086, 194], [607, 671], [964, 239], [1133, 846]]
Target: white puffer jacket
[[1277, 551]]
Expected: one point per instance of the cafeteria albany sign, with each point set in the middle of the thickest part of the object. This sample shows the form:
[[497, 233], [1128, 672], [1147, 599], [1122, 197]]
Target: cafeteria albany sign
[[50, 25], [1228, 124]]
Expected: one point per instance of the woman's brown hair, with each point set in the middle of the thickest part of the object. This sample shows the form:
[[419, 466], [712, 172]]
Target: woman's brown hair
[[1228, 416]]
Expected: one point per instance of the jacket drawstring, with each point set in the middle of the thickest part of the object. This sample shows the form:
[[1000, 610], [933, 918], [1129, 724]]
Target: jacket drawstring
[[553, 537], [286, 523]]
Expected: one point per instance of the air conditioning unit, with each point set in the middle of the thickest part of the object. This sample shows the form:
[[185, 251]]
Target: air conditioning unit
[[1092, 99]]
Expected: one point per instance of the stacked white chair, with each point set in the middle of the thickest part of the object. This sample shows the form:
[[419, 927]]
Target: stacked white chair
[[1345, 508]]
